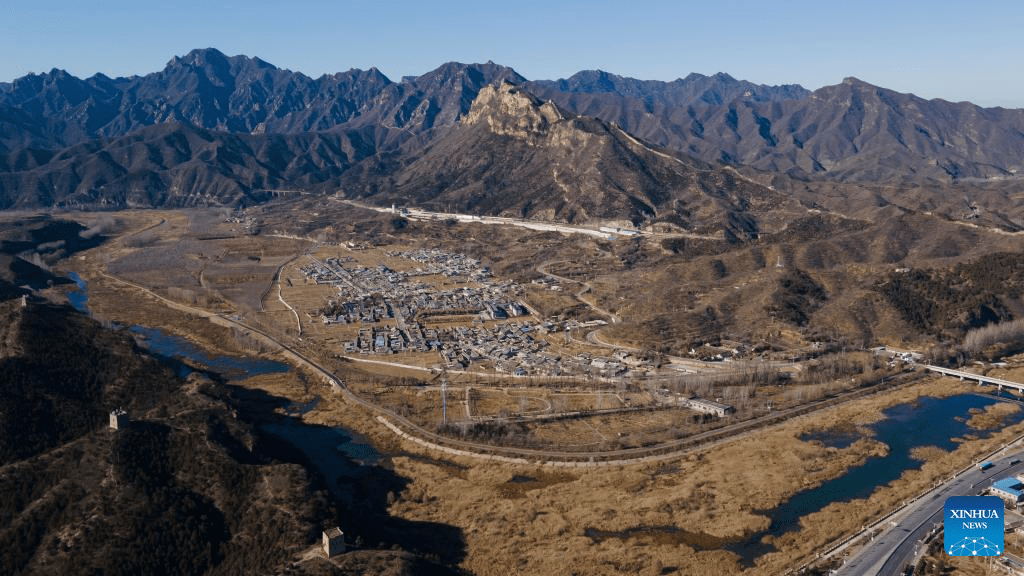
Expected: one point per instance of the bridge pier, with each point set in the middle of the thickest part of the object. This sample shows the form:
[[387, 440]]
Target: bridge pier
[[982, 380]]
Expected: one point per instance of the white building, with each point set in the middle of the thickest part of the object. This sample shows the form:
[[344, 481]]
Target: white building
[[708, 406]]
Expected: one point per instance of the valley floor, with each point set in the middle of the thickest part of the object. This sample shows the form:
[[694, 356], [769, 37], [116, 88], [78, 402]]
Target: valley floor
[[693, 514]]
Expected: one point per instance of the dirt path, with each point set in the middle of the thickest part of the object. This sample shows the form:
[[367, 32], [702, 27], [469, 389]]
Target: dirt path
[[586, 287], [298, 322], [407, 429]]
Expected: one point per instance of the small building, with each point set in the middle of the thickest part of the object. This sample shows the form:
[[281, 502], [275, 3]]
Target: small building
[[334, 542], [1009, 489], [708, 406], [118, 419]]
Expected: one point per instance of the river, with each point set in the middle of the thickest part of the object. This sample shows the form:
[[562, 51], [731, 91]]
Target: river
[[927, 421], [332, 449]]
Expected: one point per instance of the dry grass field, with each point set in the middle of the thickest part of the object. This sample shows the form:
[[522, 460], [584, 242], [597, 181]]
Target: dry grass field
[[992, 416], [715, 492], [677, 515]]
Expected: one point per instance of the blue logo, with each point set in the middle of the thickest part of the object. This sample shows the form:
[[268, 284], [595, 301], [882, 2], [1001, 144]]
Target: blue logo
[[974, 526]]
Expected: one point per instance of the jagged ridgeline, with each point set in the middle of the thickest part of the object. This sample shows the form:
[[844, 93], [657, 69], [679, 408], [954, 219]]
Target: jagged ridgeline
[[514, 155], [216, 130]]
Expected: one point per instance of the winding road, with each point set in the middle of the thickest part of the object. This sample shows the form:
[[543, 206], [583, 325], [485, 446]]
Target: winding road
[[540, 225], [586, 287], [430, 439]]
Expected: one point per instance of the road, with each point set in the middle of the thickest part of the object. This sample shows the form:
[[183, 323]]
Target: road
[[298, 323], [896, 546], [539, 225], [585, 287], [964, 375]]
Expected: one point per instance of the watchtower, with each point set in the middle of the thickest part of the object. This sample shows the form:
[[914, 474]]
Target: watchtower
[[118, 419], [334, 542]]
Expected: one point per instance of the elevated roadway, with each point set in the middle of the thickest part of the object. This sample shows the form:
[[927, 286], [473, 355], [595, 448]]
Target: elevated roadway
[[997, 382]]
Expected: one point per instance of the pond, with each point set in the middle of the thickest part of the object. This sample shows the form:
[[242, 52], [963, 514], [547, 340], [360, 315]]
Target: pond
[[836, 437], [333, 450], [230, 367], [927, 421], [78, 298]]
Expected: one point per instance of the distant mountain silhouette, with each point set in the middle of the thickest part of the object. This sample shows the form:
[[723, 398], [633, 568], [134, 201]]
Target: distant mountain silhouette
[[849, 132], [213, 129], [234, 94], [175, 165]]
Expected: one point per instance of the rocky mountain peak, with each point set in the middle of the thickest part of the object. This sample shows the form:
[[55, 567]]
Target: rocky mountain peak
[[466, 75], [851, 84], [200, 57], [511, 111], [218, 67]]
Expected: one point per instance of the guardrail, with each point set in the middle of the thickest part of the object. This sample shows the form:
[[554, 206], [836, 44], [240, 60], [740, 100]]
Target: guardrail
[[982, 379], [868, 528]]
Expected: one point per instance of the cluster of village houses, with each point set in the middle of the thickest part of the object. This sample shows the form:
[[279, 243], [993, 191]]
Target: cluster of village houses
[[394, 313], [509, 347]]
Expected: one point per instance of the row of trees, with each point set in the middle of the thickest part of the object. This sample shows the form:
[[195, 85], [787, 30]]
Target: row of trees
[[203, 297], [995, 339], [501, 433]]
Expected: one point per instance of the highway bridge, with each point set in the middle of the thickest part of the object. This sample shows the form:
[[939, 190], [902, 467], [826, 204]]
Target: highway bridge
[[998, 382]]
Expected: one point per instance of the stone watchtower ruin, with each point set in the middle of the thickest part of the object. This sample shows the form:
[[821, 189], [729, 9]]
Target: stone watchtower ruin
[[118, 419], [334, 542]]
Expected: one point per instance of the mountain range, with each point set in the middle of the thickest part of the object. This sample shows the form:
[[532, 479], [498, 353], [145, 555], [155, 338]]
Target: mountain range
[[216, 130]]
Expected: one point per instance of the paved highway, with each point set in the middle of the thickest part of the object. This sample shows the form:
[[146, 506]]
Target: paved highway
[[963, 375], [896, 546]]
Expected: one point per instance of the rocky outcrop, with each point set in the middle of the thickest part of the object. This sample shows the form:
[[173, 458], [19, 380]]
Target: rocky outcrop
[[514, 155], [511, 111]]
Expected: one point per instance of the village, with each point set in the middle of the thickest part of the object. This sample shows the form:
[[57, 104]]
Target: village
[[479, 322]]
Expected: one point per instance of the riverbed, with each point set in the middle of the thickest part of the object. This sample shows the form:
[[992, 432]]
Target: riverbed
[[334, 450]]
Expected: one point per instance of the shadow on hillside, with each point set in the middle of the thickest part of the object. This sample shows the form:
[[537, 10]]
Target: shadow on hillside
[[361, 491], [28, 246]]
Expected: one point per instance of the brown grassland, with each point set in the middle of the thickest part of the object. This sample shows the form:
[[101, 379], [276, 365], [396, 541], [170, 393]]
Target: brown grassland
[[673, 516]]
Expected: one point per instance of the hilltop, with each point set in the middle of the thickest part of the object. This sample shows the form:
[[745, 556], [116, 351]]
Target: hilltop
[[211, 129], [190, 485], [514, 155]]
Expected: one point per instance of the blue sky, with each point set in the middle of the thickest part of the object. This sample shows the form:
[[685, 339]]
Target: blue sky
[[939, 49]]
